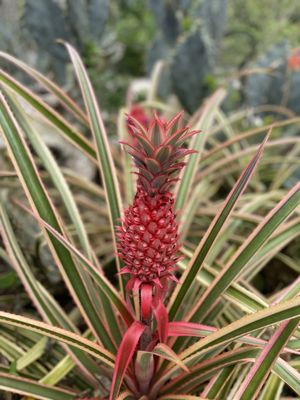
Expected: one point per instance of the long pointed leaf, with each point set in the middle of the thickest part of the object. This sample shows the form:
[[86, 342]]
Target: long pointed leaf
[[40, 201], [249, 323], [43, 301], [105, 160], [124, 356], [164, 351], [64, 127], [186, 381], [52, 88], [70, 205], [240, 259], [26, 387], [204, 123], [174, 396], [260, 370], [99, 278], [54, 172], [59, 334], [211, 235]]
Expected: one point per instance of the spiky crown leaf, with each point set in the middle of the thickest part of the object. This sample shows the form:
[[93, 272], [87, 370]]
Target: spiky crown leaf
[[158, 151]]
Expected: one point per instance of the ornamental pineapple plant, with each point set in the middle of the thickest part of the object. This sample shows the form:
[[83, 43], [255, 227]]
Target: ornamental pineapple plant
[[156, 299]]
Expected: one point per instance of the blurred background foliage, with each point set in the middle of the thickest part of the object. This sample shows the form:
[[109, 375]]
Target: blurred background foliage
[[246, 44]]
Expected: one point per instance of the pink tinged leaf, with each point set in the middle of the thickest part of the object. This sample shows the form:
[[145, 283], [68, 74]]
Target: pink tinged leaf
[[146, 300], [164, 351], [158, 181], [135, 125], [108, 289], [136, 154], [177, 396], [163, 153], [179, 328], [153, 165], [161, 125], [144, 369], [176, 119], [143, 180], [155, 134], [187, 136], [145, 144], [143, 171], [213, 232], [180, 137], [161, 316], [166, 186], [260, 370], [174, 168], [180, 153], [126, 396], [182, 328], [172, 140], [161, 292], [138, 158], [124, 356]]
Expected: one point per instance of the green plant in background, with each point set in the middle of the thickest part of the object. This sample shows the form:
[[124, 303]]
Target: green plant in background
[[214, 334], [200, 42]]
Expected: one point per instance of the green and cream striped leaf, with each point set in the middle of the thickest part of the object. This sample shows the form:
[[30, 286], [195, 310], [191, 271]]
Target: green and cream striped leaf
[[60, 335], [105, 160], [26, 387], [212, 233], [50, 86], [186, 382], [70, 206], [272, 389], [99, 278], [48, 308], [41, 202], [260, 370], [288, 374], [55, 173], [245, 325], [261, 319], [204, 123], [249, 248], [64, 127]]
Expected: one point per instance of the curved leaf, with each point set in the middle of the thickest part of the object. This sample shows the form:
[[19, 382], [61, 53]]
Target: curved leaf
[[40, 201], [211, 235], [105, 160], [59, 334], [240, 259], [54, 89], [27, 387], [64, 127], [259, 372], [99, 278], [124, 356]]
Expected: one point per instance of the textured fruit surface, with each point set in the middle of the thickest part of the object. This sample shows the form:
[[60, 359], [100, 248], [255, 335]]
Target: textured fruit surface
[[148, 237]]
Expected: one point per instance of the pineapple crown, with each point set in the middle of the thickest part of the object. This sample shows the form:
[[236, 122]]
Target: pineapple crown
[[158, 151]]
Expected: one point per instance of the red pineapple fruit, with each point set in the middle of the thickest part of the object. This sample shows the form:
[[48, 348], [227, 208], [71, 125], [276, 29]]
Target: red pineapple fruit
[[148, 237]]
